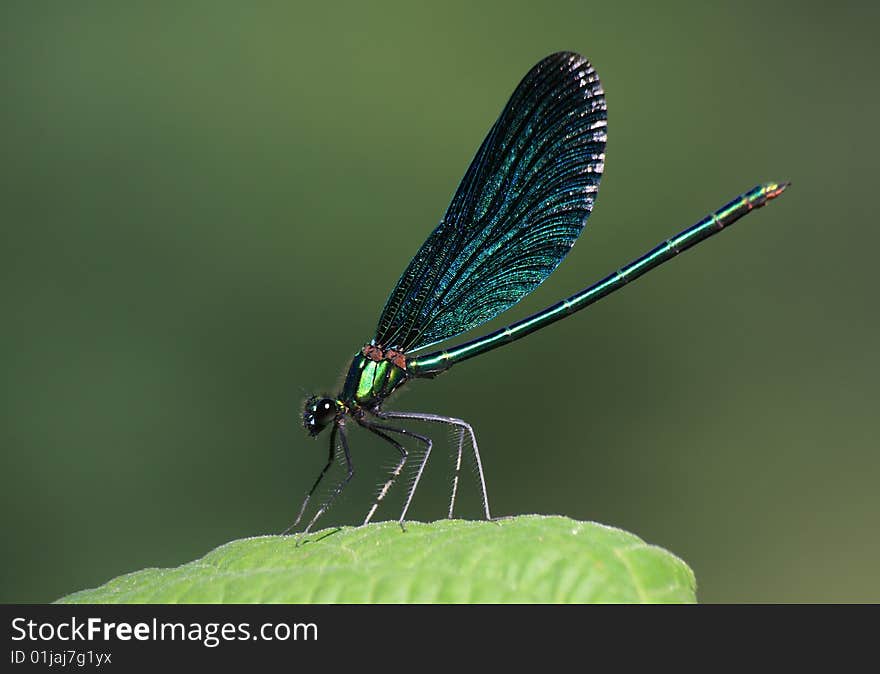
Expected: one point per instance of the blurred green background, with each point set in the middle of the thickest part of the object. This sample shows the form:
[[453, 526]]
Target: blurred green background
[[205, 205]]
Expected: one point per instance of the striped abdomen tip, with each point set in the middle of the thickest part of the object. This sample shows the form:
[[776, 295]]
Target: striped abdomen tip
[[773, 190]]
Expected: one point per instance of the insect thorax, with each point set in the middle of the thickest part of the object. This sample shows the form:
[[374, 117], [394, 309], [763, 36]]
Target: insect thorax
[[371, 380]]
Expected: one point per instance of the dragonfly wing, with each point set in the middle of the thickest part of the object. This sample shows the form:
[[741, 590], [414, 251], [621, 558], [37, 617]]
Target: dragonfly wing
[[517, 212]]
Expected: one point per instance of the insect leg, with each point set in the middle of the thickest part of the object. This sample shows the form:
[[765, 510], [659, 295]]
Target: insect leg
[[457, 472], [394, 474], [465, 428], [421, 438], [341, 485], [317, 482]]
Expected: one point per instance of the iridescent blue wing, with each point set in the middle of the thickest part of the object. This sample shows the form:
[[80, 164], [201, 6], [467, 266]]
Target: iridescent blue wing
[[517, 212]]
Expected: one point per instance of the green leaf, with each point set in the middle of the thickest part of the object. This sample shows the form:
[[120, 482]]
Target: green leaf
[[531, 558]]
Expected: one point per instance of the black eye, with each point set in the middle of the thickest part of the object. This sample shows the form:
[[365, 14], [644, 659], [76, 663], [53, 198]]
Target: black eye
[[318, 414], [325, 411]]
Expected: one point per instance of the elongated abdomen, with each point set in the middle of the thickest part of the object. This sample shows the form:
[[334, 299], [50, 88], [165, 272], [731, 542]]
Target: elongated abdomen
[[432, 364]]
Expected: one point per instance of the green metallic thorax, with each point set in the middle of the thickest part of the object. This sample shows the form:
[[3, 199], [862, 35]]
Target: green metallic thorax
[[368, 382]]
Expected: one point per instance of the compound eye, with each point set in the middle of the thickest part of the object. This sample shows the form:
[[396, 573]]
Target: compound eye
[[325, 411]]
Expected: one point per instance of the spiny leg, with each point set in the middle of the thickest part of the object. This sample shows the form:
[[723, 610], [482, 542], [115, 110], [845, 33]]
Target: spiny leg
[[394, 474], [317, 482], [466, 427], [341, 485], [457, 471], [421, 438]]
